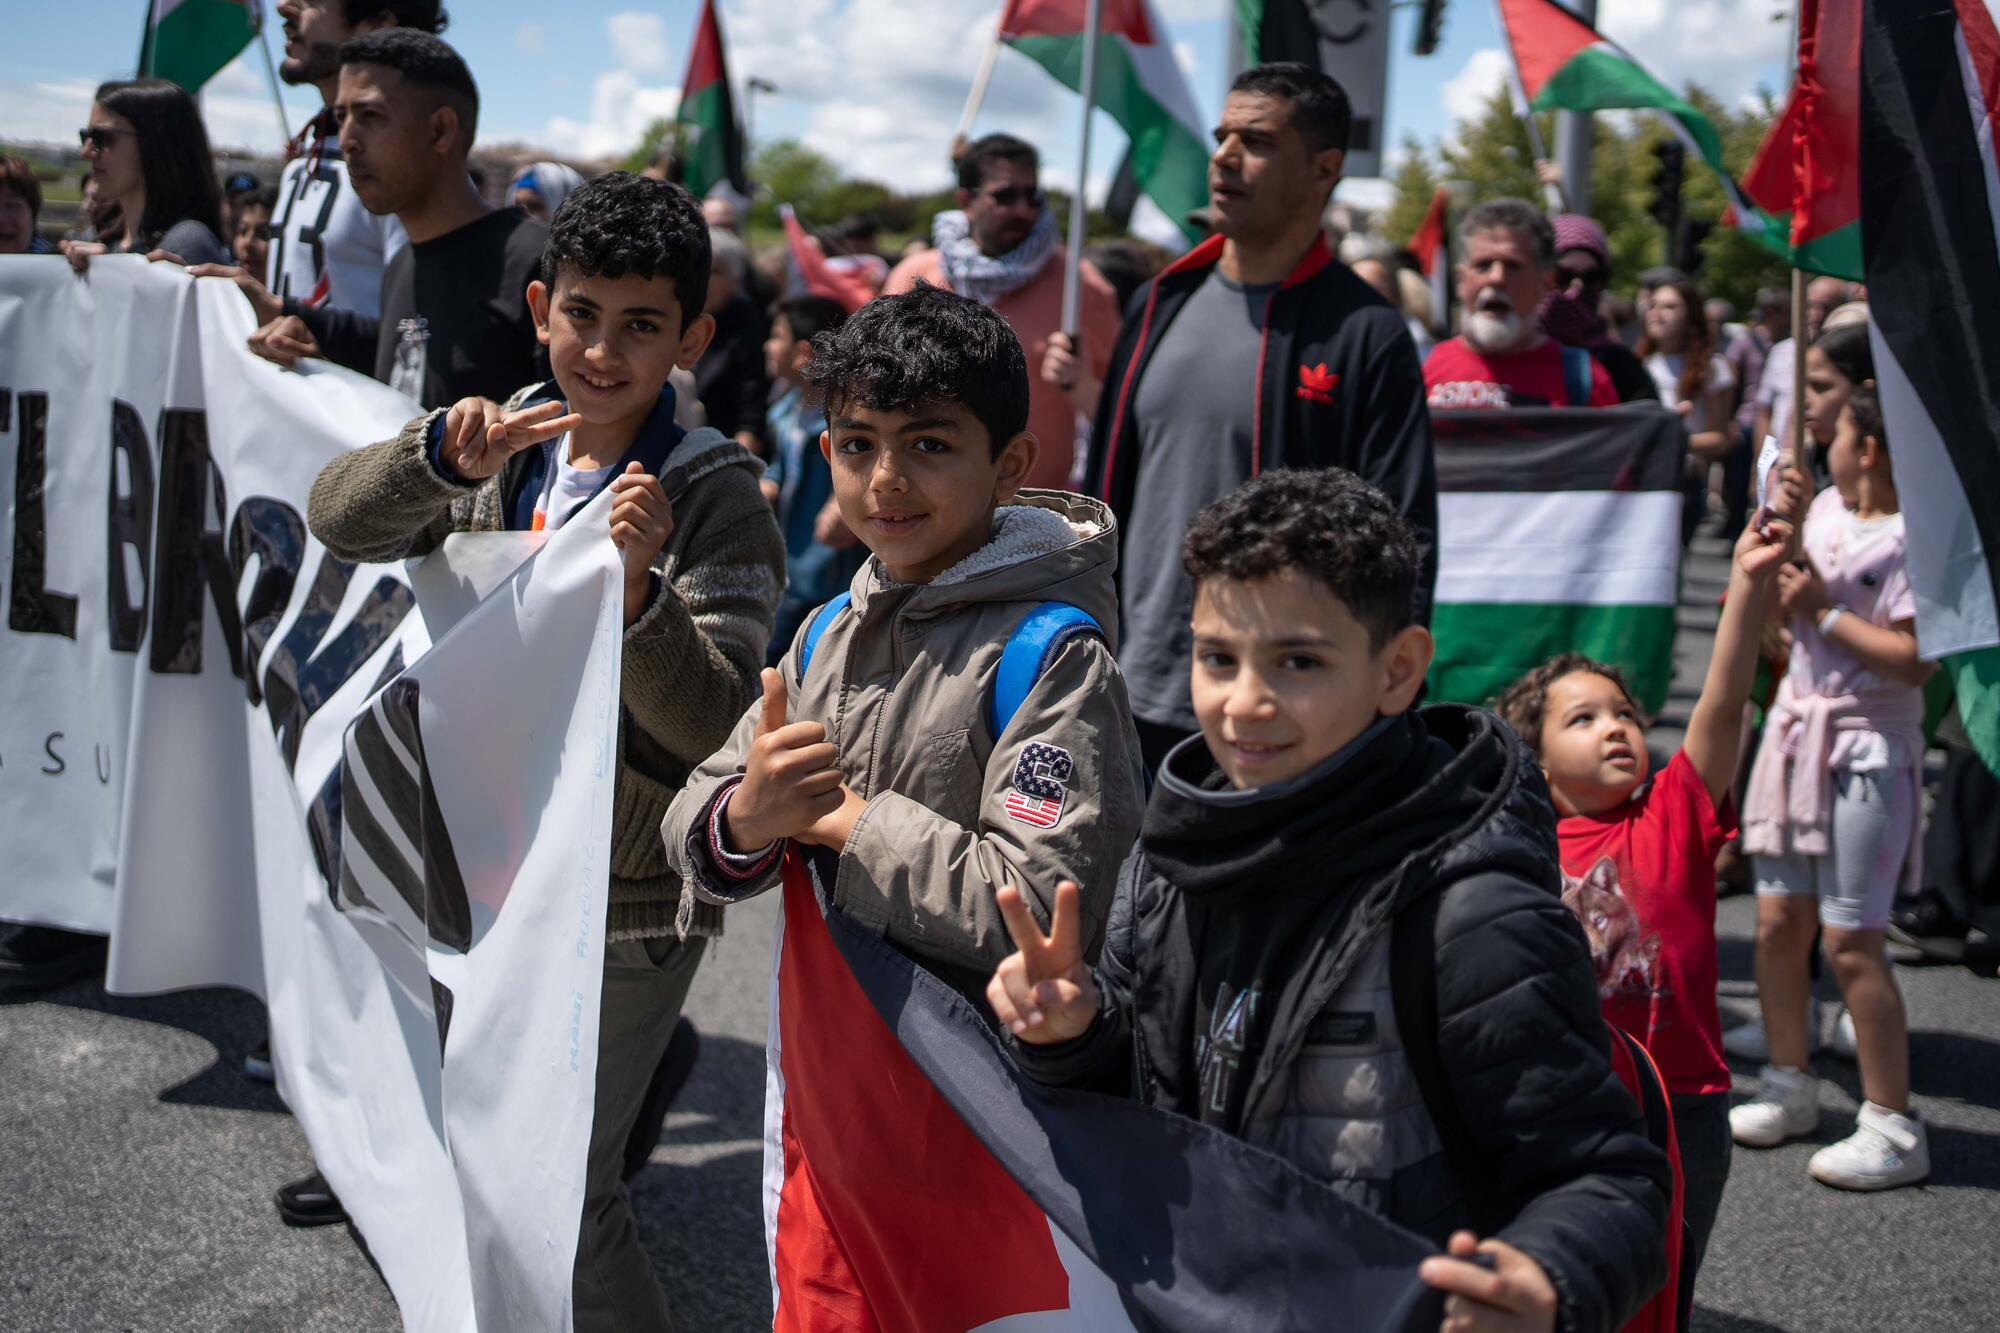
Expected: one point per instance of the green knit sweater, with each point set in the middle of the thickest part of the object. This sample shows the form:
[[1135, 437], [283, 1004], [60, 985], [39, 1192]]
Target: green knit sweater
[[690, 661]]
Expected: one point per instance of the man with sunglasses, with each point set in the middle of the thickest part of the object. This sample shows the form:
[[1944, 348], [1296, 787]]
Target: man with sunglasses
[[1001, 247], [1570, 315]]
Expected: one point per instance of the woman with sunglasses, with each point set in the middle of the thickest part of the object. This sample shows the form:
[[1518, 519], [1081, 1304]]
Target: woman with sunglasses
[[1573, 313], [149, 156]]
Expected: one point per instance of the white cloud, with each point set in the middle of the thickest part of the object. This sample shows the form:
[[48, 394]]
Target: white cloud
[[1191, 11], [620, 110], [1726, 46], [1184, 57], [530, 39], [639, 41], [46, 112], [1466, 93]]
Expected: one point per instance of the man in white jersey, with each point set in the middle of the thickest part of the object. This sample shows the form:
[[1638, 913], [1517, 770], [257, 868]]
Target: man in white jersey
[[326, 248]]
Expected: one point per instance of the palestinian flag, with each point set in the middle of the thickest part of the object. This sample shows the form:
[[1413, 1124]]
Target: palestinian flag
[[1567, 65], [189, 41], [1928, 201], [1431, 244], [1138, 82], [1805, 176], [915, 1179], [706, 133], [1558, 531]]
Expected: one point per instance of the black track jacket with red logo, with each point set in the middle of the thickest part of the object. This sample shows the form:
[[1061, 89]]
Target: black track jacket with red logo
[[1338, 385]]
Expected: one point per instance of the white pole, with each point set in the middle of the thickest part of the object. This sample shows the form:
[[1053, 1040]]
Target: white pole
[[979, 82], [1079, 206], [271, 72]]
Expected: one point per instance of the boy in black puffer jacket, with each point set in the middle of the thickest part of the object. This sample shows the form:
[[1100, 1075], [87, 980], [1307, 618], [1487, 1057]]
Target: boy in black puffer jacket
[[1340, 935]]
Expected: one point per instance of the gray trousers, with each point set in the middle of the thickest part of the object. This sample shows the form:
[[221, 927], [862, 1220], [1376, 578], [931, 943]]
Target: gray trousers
[[645, 982]]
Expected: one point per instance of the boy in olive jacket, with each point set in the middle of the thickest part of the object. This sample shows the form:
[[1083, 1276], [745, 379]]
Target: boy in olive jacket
[[619, 304]]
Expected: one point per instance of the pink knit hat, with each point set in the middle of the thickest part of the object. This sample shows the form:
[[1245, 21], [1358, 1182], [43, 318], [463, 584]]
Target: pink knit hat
[[1574, 231]]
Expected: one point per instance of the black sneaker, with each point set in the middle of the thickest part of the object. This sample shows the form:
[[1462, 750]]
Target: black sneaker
[[668, 1079], [257, 1063], [310, 1202], [35, 957], [1927, 924]]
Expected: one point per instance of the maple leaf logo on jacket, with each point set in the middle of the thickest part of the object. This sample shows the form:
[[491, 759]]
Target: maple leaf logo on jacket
[[1317, 383]]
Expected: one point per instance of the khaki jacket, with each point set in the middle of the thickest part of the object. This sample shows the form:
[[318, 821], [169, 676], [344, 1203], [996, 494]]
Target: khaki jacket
[[901, 681]]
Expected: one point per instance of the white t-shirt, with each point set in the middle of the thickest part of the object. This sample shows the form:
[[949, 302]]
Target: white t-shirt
[[326, 249], [1774, 389], [1665, 368], [569, 490]]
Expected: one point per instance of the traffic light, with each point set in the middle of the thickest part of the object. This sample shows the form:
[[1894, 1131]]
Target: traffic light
[[1666, 207], [1430, 26], [1693, 232]]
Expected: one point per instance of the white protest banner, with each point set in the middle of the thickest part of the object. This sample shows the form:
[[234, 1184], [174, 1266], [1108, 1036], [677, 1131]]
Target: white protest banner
[[180, 645]]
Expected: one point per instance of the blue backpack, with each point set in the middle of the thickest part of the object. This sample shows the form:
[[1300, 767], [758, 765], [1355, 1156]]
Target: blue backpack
[[1030, 649]]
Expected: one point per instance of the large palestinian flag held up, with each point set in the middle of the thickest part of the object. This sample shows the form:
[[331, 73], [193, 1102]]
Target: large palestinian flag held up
[[189, 41], [1558, 531], [705, 127], [1567, 65], [914, 1179], [1138, 81], [1929, 221]]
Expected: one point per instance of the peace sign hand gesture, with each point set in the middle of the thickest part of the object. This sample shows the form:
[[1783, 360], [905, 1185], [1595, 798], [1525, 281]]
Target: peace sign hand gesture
[[1043, 992]]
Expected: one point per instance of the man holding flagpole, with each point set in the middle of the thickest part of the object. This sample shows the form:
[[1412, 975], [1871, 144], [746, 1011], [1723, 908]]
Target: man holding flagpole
[[1255, 350], [1001, 247]]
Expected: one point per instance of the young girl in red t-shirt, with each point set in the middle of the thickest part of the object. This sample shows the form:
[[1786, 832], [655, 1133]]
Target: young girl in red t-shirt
[[1638, 858]]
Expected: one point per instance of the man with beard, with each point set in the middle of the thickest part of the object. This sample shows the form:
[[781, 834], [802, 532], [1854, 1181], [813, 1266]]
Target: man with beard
[[1000, 248], [1254, 351], [454, 319], [327, 249], [1503, 358]]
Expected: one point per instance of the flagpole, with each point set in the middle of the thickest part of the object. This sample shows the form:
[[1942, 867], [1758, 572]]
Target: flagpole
[[979, 82], [1079, 205], [1551, 195], [271, 72]]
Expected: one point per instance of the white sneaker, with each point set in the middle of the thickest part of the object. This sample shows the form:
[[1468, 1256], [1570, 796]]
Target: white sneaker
[[1842, 1044], [1785, 1106], [1885, 1150]]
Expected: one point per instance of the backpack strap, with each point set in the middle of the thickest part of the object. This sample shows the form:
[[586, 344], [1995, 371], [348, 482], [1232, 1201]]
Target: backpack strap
[[1029, 651], [821, 618], [1576, 375]]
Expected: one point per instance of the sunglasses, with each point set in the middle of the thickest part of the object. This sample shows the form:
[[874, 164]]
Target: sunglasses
[[100, 136], [1016, 194], [1592, 277]]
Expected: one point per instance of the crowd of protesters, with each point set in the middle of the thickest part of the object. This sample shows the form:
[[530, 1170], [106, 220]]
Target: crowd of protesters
[[1243, 433]]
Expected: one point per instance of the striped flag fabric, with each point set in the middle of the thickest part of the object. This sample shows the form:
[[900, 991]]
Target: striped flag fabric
[[915, 1180], [1928, 215], [1806, 175], [189, 41], [1567, 65], [1138, 81], [1558, 531], [707, 134]]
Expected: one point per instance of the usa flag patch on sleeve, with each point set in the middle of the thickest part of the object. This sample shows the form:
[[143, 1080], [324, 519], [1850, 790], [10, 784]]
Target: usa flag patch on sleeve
[[1041, 784]]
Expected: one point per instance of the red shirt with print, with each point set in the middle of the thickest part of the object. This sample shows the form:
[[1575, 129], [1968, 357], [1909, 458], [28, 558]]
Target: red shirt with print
[[1458, 375], [1641, 878]]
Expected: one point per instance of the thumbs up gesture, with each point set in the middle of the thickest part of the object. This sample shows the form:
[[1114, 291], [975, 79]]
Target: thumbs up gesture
[[479, 438], [1043, 991], [789, 777]]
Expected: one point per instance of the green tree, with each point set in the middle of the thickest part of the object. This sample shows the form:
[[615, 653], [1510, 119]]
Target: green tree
[[1416, 181], [656, 136], [788, 172]]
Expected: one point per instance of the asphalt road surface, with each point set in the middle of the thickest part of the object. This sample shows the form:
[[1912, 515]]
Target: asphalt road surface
[[137, 1164]]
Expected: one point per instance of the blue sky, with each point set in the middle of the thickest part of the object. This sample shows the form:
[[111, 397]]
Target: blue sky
[[875, 84]]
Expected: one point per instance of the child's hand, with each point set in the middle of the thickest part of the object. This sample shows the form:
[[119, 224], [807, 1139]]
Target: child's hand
[[831, 530], [1789, 498], [789, 777], [479, 438], [1513, 1296], [642, 518], [1043, 992], [285, 340], [1801, 593], [1061, 361], [1760, 551], [836, 826]]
